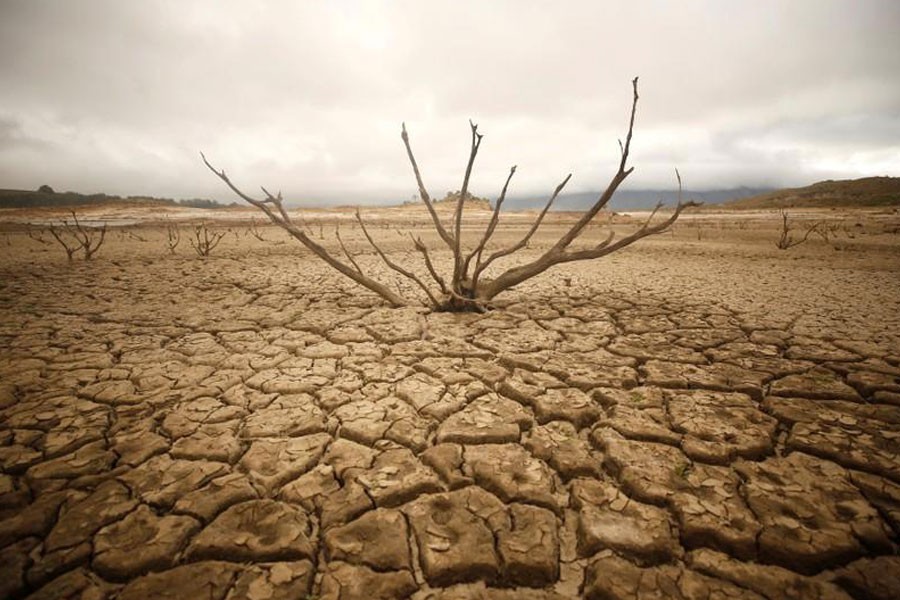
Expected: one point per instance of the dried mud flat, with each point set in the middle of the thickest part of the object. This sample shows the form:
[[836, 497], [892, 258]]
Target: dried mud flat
[[689, 419]]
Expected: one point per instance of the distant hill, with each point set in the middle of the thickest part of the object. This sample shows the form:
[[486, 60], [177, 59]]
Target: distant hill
[[634, 199], [868, 191], [46, 197], [449, 202]]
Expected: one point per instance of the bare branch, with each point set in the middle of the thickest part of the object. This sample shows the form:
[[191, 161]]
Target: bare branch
[[60, 237], [81, 237], [282, 219], [408, 274], [221, 175], [556, 256], [624, 161], [279, 204], [93, 244], [76, 231], [36, 235], [652, 214], [420, 246], [473, 152], [614, 184], [134, 236], [204, 240], [607, 247], [85, 236], [458, 272], [448, 239], [254, 231], [337, 234], [173, 236], [524, 241], [492, 225], [786, 241]]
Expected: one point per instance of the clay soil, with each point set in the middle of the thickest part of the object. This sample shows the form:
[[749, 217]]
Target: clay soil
[[700, 415]]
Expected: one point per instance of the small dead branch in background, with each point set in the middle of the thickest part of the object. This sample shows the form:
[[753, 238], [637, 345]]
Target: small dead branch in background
[[173, 237], [205, 240], [134, 236], [254, 231], [829, 233], [69, 244], [786, 240], [76, 236], [37, 235]]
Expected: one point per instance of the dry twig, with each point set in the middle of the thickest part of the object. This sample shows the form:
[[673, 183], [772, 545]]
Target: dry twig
[[76, 236], [205, 240], [786, 240], [173, 236]]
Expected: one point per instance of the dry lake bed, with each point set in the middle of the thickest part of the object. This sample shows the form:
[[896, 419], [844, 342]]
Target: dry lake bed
[[701, 415]]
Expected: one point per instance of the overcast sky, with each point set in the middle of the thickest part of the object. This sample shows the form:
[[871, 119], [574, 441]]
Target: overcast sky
[[308, 97]]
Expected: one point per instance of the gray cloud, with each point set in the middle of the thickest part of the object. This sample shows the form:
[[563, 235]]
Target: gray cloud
[[308, 97]]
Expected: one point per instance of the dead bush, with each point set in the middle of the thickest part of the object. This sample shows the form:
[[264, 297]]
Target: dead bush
[[469, 287]]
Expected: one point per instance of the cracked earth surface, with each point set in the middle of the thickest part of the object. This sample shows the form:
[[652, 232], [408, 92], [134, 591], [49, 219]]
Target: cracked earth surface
[[667, 423]]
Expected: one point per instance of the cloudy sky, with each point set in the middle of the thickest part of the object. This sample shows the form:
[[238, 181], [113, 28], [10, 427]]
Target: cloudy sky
[[308, 97]]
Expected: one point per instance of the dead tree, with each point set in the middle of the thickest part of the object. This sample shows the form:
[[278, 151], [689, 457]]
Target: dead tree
[[69, 244], [173, 236], [76, 236], [786, 240], [469, 287], [255, 231], [36, 234], [205, 240]]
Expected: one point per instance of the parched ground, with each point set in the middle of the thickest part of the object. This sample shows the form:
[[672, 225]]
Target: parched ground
[[699, 416]]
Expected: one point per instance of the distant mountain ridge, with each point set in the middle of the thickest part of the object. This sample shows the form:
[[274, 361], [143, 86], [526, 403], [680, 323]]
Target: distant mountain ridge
[[867, 191], [46, 197], [635, 199]]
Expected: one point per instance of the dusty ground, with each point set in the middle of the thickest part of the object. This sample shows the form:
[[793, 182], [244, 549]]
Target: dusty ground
[[699, 416]]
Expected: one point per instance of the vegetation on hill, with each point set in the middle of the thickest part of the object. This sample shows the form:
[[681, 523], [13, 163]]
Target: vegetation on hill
[[472, 202], [868, 191], [46, 197]]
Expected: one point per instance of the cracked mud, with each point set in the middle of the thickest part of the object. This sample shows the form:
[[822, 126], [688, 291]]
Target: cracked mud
[[692, 421]]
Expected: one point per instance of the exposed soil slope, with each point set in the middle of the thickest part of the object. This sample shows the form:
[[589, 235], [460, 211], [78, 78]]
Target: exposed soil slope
[[868, 191]]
